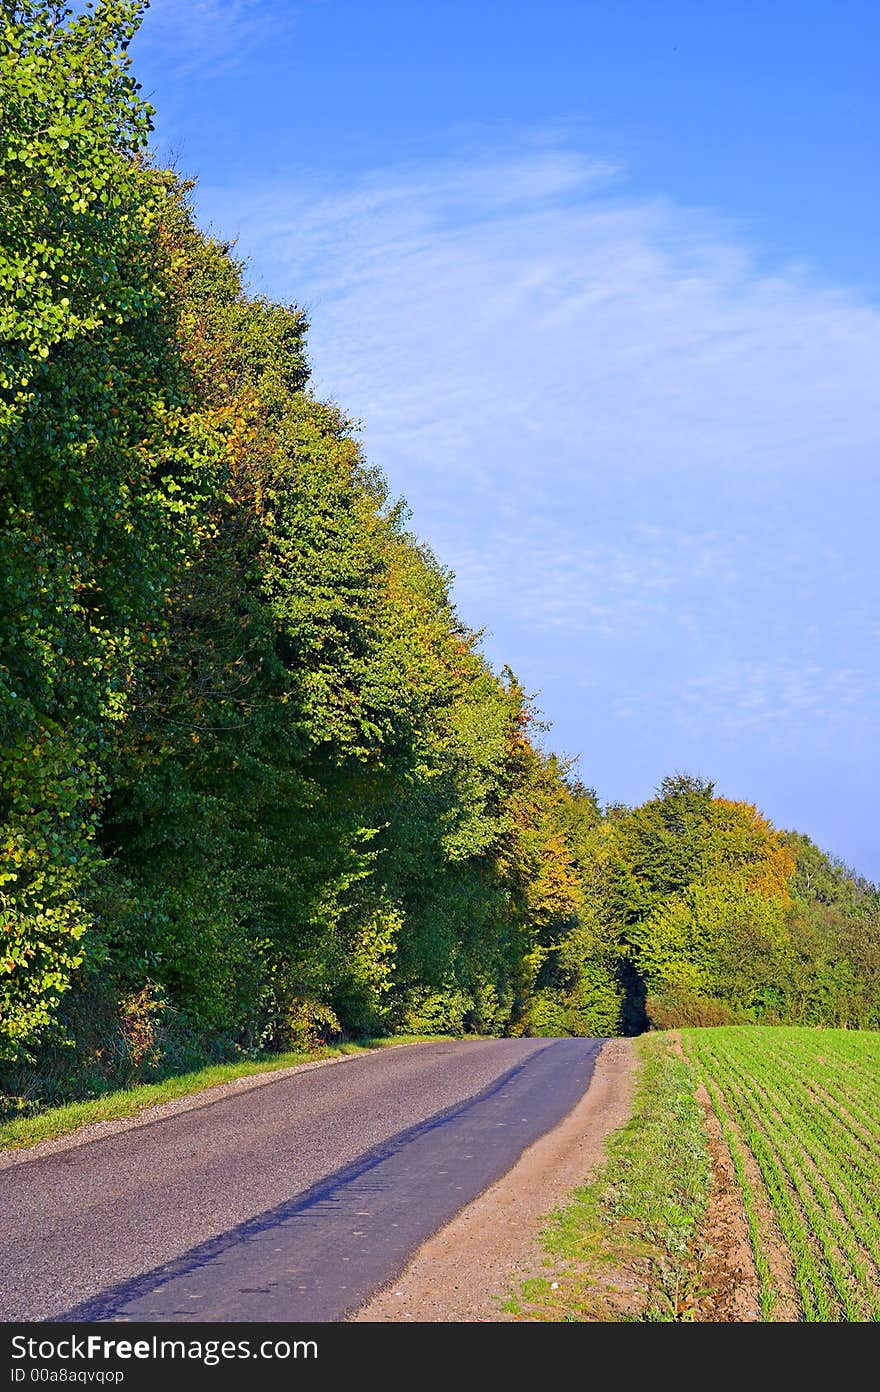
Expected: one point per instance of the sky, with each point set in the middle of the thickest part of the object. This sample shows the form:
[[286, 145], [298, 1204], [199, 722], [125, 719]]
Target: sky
[[599, 282]]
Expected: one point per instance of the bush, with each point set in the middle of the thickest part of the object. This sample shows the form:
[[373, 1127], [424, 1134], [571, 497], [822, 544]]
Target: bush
[[433, 1012], [307, 1025], [682, 1008], [546, 1016]]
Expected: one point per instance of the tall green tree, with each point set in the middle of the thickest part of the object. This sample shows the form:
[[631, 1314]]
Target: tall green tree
[[102, 468]]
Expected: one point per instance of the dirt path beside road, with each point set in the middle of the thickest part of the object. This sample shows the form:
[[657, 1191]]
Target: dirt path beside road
[[465, 1270]]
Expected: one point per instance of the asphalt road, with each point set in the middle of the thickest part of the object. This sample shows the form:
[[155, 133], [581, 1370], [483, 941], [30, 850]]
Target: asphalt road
[[292, 1201]]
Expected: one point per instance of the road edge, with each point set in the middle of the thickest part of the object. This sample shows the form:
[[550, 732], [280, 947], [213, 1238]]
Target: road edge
[[464, 1271], [192, 1101]]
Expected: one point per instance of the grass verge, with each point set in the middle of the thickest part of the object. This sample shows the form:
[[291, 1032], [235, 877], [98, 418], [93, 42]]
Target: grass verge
[[619, 1248], [127, 1102]]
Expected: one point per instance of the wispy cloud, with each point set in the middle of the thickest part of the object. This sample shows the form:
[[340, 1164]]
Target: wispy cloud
[[208, 36], [648, 456], [763, 699], [517, 294]]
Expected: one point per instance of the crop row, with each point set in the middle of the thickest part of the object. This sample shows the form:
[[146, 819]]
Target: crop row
[[799, 1111]]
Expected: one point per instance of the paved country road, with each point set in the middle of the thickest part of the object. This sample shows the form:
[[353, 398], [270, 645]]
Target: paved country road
[[295, 1200]]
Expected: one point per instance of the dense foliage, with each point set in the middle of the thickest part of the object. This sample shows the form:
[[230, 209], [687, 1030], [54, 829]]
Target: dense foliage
[[728, 920], [258, 783]]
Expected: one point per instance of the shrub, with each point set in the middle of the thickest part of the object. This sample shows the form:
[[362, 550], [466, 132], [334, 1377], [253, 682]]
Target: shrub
[[307, 1025], [678, 1009]]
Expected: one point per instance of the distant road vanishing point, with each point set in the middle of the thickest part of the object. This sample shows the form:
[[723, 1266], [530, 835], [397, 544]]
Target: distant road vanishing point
[[294, 1200]]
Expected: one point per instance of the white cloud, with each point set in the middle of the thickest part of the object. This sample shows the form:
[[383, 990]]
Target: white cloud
[[648, 458], [460, 303], [764, 699], [207, 36]]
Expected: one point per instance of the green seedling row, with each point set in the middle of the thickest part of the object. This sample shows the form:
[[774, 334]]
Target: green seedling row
[[737, 1154], [806, 1104], [825, 1203]]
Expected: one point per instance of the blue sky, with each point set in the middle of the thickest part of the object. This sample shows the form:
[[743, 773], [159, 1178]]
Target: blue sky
[[599, 281]]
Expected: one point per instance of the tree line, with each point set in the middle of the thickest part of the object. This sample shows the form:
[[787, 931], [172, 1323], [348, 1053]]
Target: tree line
[[259, 784]]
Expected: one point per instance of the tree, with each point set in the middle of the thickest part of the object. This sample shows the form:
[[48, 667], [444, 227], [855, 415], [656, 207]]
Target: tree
[[102, 469]]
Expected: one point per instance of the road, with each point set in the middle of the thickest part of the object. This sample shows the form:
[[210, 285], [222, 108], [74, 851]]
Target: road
[[295, 1200]]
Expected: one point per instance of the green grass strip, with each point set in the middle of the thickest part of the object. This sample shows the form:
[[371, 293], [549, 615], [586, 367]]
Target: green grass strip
[[127, 1102], [645, 1204]]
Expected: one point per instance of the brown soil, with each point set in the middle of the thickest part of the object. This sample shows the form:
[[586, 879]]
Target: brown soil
[[726, 1277], [729, 1260], [787, 1307], [465, 1271]]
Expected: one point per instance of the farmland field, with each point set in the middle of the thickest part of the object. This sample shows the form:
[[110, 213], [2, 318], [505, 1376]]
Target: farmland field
[[800, 1112]]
